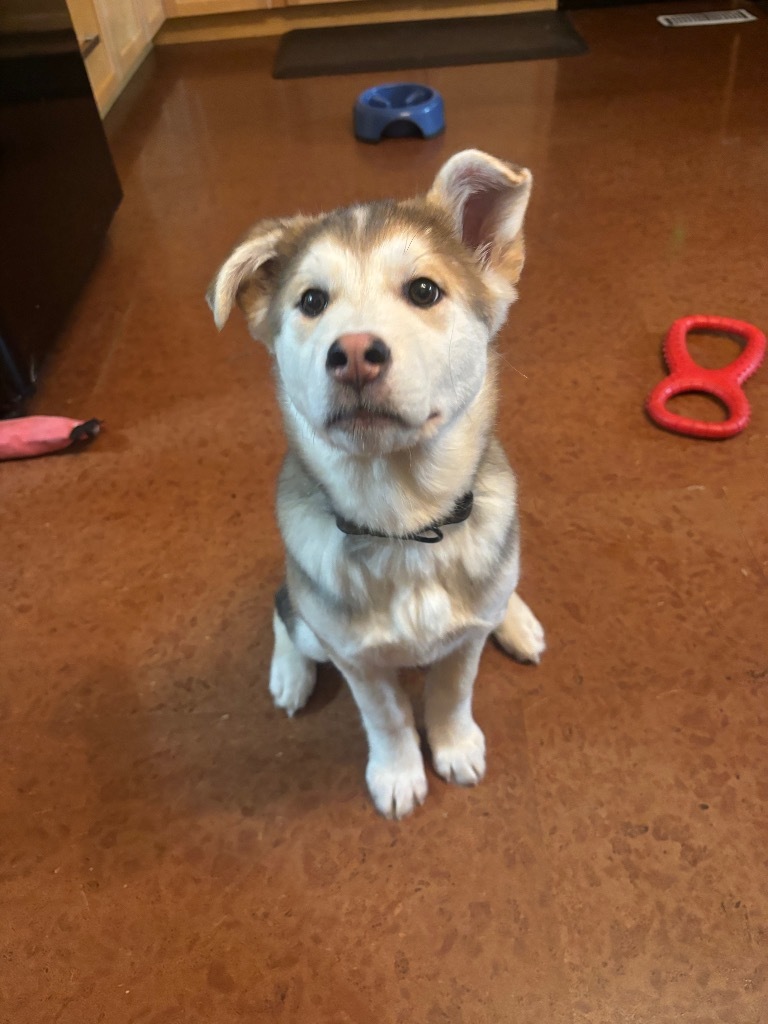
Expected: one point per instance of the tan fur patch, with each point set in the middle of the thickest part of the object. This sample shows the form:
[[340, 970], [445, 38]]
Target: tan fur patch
[[510, 262]]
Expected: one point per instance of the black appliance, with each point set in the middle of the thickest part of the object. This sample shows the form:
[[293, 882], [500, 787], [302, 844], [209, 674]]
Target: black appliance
[[58, 187]]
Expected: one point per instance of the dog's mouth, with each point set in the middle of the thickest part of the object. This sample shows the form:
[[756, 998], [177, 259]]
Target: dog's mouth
[[361, 417], [376, 428]]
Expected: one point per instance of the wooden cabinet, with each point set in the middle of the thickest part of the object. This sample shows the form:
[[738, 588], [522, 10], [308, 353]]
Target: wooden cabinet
[[153, 14], [115, 36], [101, 68], [124, 32]]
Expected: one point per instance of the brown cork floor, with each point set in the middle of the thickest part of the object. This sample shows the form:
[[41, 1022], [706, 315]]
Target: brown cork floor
[[174, 850]]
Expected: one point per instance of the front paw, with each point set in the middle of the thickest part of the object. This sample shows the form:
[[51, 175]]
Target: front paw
[[397, 787], [459, 754]]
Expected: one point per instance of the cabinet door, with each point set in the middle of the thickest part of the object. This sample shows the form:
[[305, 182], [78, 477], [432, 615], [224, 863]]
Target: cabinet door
[[123, 30], [153, 15], [102, 70]]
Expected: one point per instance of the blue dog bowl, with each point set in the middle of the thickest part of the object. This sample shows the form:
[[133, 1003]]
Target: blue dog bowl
[[397, 111]]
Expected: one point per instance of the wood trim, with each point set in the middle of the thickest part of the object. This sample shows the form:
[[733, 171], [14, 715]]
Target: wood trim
[[195, 8], [277, 21], [306, 3]]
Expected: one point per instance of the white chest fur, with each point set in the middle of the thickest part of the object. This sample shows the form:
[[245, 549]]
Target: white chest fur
[[394, 604], [397, 603]]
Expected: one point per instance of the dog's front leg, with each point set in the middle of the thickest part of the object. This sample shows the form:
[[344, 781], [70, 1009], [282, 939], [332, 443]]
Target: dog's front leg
[[456, 740], [395, 773]]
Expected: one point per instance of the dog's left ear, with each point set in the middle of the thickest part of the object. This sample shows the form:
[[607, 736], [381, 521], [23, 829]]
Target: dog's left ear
[[486, 200]]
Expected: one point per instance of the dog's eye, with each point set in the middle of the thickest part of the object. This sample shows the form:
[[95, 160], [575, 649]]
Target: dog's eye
[[423, 292], [313, 301]]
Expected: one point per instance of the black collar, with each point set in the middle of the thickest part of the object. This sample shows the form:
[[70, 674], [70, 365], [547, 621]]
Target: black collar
[[428, 535]]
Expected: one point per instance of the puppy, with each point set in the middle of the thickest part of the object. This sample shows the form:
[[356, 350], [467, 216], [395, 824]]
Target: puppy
[[396, 503]]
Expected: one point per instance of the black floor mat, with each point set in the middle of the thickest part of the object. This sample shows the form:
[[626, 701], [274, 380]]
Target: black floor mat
[[426, 44]]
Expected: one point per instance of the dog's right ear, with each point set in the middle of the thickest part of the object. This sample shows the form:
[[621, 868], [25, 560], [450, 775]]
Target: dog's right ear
[[249, 275]]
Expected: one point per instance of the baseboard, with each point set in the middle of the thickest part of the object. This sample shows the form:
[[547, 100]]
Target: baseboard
[[277, 21]]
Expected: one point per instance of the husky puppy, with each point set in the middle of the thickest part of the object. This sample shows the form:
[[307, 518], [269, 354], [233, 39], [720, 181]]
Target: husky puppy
[[396, 503]]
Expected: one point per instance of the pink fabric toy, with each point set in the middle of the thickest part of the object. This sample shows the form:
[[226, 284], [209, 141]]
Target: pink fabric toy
[[38, 435]]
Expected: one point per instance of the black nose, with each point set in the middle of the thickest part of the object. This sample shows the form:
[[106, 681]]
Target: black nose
[[336, 358], [377, 353]]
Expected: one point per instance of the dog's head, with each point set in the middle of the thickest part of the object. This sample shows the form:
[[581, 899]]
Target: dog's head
[[380, 315]]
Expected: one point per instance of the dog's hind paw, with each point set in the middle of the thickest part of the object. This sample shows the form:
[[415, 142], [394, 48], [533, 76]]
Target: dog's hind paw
[[292, 675], [521, 634], [397, 790], [291, 682], [460, 758]]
